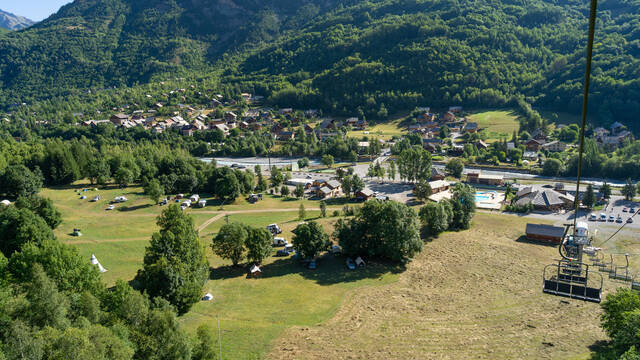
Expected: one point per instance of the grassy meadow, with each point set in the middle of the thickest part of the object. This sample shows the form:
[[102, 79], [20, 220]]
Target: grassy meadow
[[252, 312], [496, 123]]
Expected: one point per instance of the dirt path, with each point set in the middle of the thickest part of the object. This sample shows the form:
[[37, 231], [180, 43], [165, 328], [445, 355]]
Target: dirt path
[[223, 213], [469, 295]]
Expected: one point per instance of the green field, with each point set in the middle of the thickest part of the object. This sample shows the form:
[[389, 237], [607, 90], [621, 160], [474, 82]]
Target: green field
[[496, 123], [384, 131], [252, 312]]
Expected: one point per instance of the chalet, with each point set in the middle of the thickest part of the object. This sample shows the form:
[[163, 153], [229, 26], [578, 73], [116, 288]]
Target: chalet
[[352, 121], [545, 233], [286, 111], [158, 106], [364, 195], [215, 103], [230, 116], [455, 109], [431, 144], [544, 199], [255, 126], [436, 174], [616, 127], [334, 185], [243, 125], [324, 192], [439, 186], [187, 130], [426, 117], [449, 116], [481, 145], [363, 146], [470, 127], [555, 146], [246, 97], [231, 124], [600, 131], [533, 145], [306, 183], [485, 179], [286, 135], [221, 127], [328, 124], [361, 124], [539, 135], [118, 119], [610, 143]]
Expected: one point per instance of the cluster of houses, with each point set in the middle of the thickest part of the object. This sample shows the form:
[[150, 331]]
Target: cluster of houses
[[613, 138], [428, 125]]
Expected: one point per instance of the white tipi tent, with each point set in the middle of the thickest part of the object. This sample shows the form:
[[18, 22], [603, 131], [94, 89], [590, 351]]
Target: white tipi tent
[[95, 261]]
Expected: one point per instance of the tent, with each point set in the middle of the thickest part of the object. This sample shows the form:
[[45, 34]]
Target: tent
[[255, 271], [5, 202], [207, 297], [94, 261], [360, 262]]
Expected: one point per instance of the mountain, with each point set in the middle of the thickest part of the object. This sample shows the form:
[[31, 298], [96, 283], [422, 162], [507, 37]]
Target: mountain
[[14, 22], [100, 43], [369, 57]]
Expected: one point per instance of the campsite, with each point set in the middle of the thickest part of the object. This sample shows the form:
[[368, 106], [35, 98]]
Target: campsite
[[474, 270]]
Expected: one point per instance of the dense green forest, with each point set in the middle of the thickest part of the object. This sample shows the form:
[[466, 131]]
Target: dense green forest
[[369, 57]]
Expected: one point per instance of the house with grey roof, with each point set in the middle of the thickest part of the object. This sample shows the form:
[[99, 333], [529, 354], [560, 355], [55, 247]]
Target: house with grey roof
[[544, 199]]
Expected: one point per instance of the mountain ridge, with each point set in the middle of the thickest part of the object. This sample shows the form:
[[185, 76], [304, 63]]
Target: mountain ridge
[[365, 57], [11, 21]]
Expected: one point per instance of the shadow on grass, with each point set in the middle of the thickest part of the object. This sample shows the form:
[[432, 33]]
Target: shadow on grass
[[228, 272], [331, 270], [341, 201], [134, 208], [524, 239], [603, 350]]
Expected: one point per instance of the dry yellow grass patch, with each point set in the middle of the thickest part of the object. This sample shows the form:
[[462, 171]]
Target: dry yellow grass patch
[[469, 295]]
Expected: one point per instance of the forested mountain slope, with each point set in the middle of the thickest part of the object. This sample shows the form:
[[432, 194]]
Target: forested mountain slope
[[100, 43], [374, 56], [396, 54]]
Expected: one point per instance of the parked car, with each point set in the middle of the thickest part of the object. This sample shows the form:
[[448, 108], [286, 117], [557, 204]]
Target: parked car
[[603, 217], [110, 207], [629, 220], [612, 218], [632, 210], [593, 217], [624, 209], [282, 252], [619, 219]]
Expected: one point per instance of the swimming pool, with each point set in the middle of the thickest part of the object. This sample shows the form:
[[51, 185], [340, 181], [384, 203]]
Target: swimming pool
[[484, 196]]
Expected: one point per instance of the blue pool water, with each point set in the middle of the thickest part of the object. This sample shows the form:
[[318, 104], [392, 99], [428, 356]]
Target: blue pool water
[[483, 196]]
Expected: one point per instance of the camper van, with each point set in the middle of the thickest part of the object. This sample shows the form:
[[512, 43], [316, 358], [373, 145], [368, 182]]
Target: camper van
[[274, 229], [279, 241]]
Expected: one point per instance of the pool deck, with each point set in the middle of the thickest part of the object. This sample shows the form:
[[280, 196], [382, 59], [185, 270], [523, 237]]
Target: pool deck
[[492, 202]]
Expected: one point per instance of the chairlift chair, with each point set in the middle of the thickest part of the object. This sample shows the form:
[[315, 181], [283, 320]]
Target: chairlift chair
[[622, 272], [607, 266], [597, 260], [562, 279], [635, 284]]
